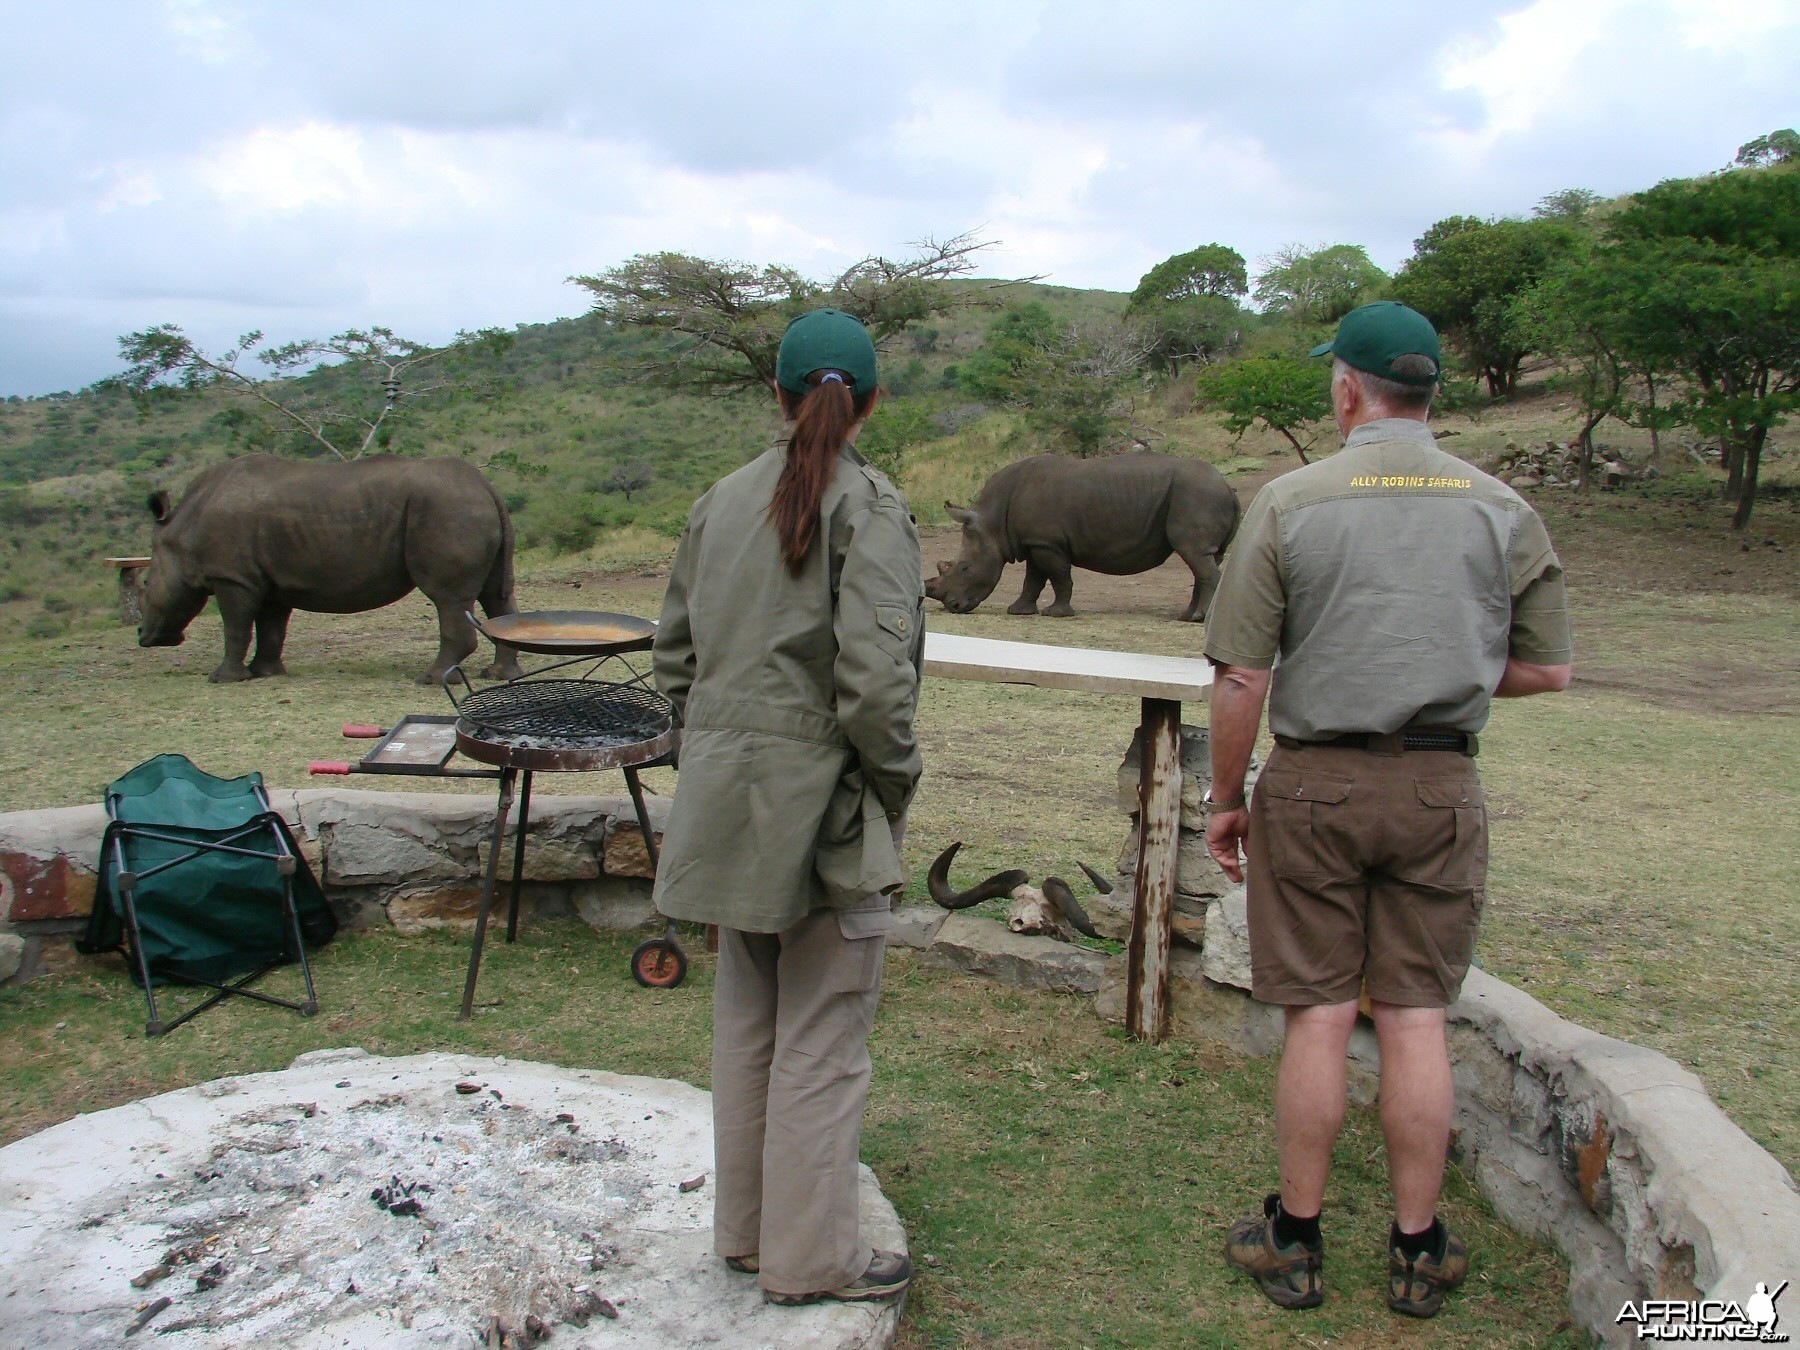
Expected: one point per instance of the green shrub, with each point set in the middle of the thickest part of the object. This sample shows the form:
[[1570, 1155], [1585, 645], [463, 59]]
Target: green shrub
[[46, 625]]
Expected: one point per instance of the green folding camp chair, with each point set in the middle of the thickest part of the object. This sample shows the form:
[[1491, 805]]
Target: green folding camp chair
[[201, 884]]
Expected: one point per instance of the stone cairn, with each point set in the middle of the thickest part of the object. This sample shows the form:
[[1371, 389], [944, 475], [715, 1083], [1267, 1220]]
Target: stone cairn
[[1208, 917], [1558, 464]]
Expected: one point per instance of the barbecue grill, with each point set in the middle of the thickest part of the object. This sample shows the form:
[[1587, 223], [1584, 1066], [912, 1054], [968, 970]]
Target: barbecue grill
[[563, 718]]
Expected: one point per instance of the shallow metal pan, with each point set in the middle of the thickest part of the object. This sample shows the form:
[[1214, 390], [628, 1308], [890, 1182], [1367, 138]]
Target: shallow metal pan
[[570, 632]]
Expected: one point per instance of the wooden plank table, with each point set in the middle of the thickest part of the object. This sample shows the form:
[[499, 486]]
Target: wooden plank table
[[1162, 684]]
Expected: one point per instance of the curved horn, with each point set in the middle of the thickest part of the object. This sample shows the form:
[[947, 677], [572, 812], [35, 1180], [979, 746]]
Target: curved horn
[[1057, 891], [1101, 884], [937, 881]]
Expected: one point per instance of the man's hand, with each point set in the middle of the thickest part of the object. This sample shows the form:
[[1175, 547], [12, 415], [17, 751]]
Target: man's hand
[[1225, 831]]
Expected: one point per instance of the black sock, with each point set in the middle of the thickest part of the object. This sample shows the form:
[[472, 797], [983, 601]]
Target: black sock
[[1414, 1245], [1289, 1230]]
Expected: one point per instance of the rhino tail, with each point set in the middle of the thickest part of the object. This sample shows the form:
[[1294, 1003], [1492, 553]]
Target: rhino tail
[[1237, 518], [497, 591]]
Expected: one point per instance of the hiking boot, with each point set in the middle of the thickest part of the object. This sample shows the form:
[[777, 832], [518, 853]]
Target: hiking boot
[[1417, 1286], [743, 1265], [888, 1273], [1292, 1276]]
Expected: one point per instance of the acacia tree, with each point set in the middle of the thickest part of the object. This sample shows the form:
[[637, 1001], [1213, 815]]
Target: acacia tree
[[728, 317], [1465, 274], [1072, 381], [347, 418], [1279, 391], [1720, 305], [1697, 290], [1573, 315], [1778, 147], [1189, 303], [1320, 285]]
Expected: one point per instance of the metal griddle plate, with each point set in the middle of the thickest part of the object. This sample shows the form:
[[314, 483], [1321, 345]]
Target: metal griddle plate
[[420, 744], [570, 632]]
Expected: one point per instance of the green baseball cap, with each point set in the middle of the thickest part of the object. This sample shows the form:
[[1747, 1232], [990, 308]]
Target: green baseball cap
[[1372, 336], [826, 339]]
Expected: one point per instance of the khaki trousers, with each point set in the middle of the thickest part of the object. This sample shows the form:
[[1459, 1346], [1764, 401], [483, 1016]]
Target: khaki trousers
[[791, 1018]]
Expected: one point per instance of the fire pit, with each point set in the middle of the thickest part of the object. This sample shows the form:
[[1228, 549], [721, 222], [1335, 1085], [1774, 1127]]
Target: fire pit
[[433, 1200]]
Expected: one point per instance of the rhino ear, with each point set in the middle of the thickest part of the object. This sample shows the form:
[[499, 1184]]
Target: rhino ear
[[960, 514], [159, 504]]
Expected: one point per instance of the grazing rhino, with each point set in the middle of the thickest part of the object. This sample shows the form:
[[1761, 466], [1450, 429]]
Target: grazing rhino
[[1120, 515], [267, 536]]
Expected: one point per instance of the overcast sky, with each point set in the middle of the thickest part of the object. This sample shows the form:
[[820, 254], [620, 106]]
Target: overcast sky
[[308, 167]]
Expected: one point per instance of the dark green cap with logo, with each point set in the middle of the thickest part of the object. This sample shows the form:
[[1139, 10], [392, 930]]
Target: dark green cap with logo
[[1372, 337], [826, 339]]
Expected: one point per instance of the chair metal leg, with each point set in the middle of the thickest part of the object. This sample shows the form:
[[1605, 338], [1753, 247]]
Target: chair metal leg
[[518, 877], [287, 865], [507, 776], [127, 883]]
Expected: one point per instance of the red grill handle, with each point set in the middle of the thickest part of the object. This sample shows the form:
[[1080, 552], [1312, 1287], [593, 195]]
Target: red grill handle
[[328, 766], [357, 731]]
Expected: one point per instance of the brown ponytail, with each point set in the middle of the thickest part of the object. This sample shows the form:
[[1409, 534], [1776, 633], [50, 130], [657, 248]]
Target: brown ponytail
[[822, 419]]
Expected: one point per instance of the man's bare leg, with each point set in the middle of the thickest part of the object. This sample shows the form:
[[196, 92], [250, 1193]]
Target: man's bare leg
[[1309, 1101], [1417, 1097]]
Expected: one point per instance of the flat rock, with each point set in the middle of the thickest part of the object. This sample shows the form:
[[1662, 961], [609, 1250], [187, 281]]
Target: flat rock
[[364, 854], [1226, 951], [546, 859], [12, 955], [917, 925], [983, 947], [537, 1193], [614, 903]]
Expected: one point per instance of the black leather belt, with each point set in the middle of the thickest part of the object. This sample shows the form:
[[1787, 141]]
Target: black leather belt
[[1393, 742]]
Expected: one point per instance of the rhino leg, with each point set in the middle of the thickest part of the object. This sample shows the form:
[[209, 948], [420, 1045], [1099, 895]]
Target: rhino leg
[[1034, 587], [1206, 581], [238, 609], [506, 659], [271, 635], [456, 637], [1062, 583]]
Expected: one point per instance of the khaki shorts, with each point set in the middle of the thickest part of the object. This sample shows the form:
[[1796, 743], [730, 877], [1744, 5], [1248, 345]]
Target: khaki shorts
[[1366, 870]]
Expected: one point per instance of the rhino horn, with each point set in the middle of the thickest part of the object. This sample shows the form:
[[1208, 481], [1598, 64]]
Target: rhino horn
[[1101, 884], [944, 567], [1057, 891], [937, 881]]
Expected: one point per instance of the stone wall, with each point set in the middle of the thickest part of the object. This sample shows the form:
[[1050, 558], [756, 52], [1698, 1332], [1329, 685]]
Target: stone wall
[[407, 859]]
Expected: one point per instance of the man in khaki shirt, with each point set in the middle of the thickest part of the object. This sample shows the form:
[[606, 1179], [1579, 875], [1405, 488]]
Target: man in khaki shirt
[[1400, 590]]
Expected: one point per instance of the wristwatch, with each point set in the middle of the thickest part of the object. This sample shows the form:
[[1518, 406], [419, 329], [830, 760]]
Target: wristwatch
[[1235, 804]]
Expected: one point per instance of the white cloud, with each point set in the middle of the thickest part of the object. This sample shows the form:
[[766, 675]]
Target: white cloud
[[436, 164]]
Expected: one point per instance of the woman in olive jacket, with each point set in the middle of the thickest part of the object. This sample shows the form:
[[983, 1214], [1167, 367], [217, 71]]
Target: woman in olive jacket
[[790, 643]]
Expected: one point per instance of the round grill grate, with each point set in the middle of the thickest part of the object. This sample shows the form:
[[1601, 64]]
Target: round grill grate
[[569, 710]]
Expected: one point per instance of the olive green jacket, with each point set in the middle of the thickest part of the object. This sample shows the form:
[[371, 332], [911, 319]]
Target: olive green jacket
[[796, 697]]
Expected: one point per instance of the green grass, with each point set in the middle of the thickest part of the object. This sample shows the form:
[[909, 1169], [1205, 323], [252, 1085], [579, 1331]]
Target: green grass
[[1059, 1185], [1072, 1187]]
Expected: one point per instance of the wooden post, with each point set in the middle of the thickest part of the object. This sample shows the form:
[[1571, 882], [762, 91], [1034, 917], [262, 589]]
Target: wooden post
[[1153, 893], [131, 577]]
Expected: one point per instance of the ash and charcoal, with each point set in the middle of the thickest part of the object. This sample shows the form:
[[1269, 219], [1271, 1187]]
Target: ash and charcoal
[[522, 742], [509, 1215]]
